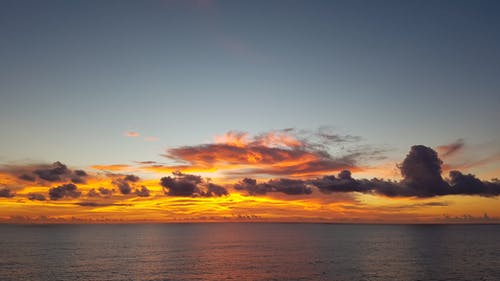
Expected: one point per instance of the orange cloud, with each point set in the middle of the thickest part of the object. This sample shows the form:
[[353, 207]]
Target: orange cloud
[[132, 134], [473, 164], [113, 167], [451, 149], [276, 153], [269, 177]]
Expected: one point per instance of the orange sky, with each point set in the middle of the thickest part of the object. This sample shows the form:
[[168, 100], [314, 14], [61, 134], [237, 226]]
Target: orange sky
[[28, 188]]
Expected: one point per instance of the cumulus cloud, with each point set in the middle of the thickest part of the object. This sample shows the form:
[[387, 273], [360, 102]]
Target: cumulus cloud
[[421, 171], [100, 192], [105, 192], [181, 184], [469, 184], [53, 173], [6, 192], [286, 186], [27, 177], [125, 183], [92, 193], [65, 190], [36, 196], [43, 173], [214, 190], [142, 192]]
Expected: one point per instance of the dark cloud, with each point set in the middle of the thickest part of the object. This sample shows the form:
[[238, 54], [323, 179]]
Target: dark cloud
[[343, 183], [190, 185], [286, 186], [56, 172], [101, 192], [143, 192], [105, 192], [6, 192], [422, 205], [251, 186], [78, 180], [469, 184], [181, 184], [65, 190], [421, 171], [131, 178], [125, 183], [36, 196], [146, 162], [123, 186], [214, 190], [92, 193], [80, 173], [27, 177], [99, 204]]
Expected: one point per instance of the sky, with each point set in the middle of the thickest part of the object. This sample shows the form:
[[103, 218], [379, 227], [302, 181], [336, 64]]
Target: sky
[[249, 110]]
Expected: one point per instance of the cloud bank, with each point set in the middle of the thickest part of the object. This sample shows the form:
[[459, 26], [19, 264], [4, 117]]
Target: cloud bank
[[293, 163], [421, 171]]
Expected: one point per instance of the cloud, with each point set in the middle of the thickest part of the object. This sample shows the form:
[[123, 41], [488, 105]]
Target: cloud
[[65, 190], [151, 139], [36, 196], [124, 183], [469, 184], [422, 205], [277, 153], [43, 173], [132, 134], [80, 173], [451, 149], [343, 183], [92, 193], [105, 192], [99, 204], [181, 184], [214, 190], [112, 168], [100, 192], [143, 192], [286, 186], [474, 164], [53, 173], [421, 171], [27, 177], [6, 192], [190, 185]]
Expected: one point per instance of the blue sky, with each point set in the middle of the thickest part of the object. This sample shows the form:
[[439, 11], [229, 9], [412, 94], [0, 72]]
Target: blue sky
[[76, 75]]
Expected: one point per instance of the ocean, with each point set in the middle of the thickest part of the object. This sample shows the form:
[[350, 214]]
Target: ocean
[[249, 251]]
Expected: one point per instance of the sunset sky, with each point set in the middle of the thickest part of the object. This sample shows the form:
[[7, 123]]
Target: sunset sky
[[331, 111]]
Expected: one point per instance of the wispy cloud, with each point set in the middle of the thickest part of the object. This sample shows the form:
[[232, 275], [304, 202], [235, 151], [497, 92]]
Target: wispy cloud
[[450, 149], [275, 153], [132, 134]]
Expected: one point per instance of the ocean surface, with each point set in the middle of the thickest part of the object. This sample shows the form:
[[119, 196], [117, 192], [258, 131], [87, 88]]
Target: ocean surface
[[249, 251]]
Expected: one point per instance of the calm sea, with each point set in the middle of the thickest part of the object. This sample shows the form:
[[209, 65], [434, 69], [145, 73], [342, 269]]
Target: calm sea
[[249, 251]]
